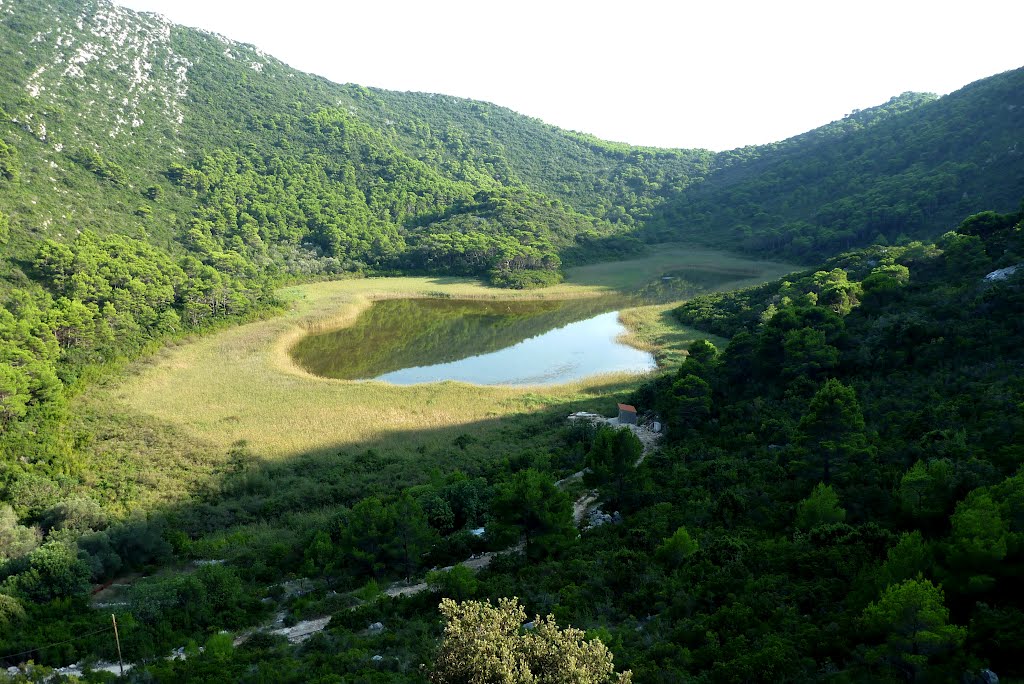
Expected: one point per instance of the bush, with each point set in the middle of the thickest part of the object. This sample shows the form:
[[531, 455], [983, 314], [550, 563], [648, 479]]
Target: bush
[[78, 514], [54, 571]]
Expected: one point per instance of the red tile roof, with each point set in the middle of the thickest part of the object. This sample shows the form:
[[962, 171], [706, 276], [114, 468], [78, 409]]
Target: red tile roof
[[627, 407]]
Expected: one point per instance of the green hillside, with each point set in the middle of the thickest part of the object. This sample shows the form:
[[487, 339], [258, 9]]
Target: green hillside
[[883, 175], [118, 122], [837, 496]]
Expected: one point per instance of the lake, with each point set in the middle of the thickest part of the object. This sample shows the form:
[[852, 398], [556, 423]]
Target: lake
[[409, 341]]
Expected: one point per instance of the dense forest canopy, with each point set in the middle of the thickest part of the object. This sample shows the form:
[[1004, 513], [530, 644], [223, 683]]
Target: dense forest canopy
[[838, 494]]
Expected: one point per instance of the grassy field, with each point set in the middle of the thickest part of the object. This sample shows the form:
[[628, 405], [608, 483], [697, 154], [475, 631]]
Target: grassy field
[[732, 271], [174, 420], [653, 329]]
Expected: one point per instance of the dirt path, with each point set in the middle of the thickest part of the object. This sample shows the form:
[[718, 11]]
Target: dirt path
[[301, 631], [403, 589], [475, 563], [578, 475], [648, 438]]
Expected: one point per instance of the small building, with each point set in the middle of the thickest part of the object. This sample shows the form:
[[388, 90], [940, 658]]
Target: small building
[[627, 414]]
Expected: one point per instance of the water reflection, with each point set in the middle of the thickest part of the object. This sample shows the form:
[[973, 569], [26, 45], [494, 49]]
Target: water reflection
[[493, 342], [571, 352], [406, 341]]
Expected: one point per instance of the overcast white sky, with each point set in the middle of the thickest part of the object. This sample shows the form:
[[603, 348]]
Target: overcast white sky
[[672, 73]]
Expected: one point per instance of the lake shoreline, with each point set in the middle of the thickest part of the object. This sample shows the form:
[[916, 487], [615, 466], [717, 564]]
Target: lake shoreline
[[484, 342], [180, 412]]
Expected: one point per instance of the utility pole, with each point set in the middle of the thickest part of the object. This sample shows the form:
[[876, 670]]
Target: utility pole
[[120, 663]]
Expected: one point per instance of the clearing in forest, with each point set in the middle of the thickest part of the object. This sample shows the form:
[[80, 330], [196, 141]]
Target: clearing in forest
[[178, 414]]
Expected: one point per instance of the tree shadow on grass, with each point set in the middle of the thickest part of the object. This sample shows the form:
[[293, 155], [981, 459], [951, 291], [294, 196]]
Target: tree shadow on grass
[[257, 517], [250, 490]]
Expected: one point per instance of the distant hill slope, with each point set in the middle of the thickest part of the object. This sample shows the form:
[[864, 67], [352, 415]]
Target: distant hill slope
[[882, 174]]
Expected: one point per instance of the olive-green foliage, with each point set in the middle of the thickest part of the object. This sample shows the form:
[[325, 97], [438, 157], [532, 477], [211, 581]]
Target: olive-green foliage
[[8, 163], [688, 403], [364, 536], [727, 313], [487, 643], [108, 297], [15, 539], [28, 351], [138, 286], [10, 610], [677, 548], [910, 557], [54, 571], [376, 538], [458, 583], [979, 537], [413, 536], [78, 514], [107, 170], [211, 597], [832, 431], [612, 457], [926, 489], [250, 204]]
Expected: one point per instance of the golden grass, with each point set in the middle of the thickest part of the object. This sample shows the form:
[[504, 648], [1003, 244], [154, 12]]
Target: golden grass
[[240, 385], [653, 328]]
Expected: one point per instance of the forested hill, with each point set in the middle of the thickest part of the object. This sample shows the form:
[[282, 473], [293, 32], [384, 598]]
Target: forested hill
[[118, 122], [880, 175]]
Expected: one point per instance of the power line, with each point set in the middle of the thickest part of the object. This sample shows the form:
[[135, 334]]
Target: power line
[[59, 643]]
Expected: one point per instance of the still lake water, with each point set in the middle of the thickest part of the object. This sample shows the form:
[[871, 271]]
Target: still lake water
[[572, 352], [414, 341]]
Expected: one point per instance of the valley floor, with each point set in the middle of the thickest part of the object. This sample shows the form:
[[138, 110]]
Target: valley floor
[[177, 416]]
